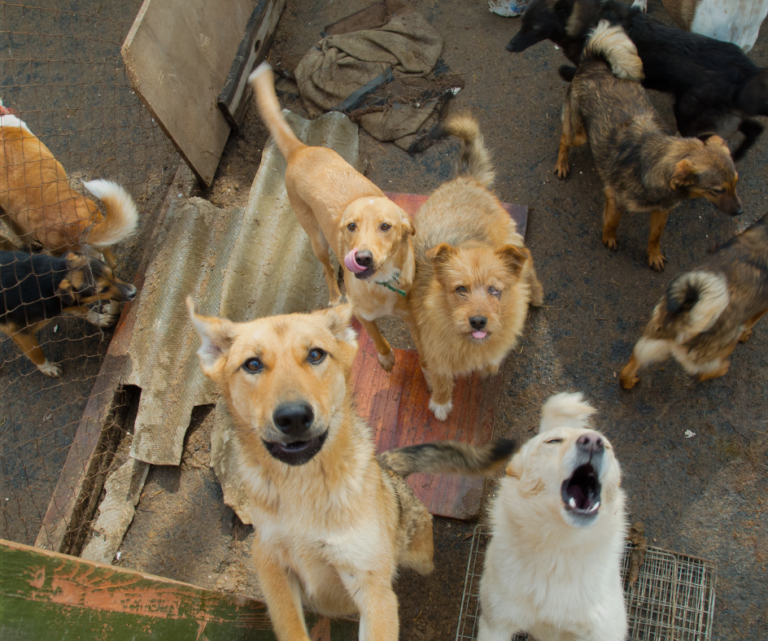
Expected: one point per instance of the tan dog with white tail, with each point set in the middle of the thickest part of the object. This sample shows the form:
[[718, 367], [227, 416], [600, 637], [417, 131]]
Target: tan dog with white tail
[[340, 208], [553, 566], [333, 522]]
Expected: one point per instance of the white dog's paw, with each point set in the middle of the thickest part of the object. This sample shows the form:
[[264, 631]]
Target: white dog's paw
[[641, 4], [441, 411], [99, 319], [50, 369], [388, 361]]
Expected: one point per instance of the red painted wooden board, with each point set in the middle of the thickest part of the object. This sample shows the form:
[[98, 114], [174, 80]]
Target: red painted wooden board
[[396, 405]]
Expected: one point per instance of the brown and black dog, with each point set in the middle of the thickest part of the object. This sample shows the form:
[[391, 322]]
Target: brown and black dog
[[643, 168], [35, 288], [333, 522], [341, 209], [707, 312]]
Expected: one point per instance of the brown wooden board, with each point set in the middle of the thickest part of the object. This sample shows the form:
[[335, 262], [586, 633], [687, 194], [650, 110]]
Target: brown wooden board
[[177, 55], [396, 406], [46, 595]]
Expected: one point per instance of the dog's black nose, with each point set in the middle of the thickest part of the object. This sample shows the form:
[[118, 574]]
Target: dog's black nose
[[293, 419], [364, 258], [478, 322], [130, 292], [591, 443]]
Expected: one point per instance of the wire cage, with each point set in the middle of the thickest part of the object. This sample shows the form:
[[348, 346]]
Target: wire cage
[[65, 96], [672, 600]]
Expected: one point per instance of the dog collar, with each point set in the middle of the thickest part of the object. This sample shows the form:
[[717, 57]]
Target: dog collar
[[386, 284]]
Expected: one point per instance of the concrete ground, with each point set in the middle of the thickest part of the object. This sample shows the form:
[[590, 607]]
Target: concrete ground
[[704, 495]]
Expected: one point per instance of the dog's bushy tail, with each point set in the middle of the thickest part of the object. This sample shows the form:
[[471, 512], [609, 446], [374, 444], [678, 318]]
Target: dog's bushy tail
[[701, 296], [449, 457], [612, 44], [263, 82], [565, 410], [122, 215]]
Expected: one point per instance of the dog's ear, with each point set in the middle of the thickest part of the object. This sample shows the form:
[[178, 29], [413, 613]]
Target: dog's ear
[[514, 258], [75, 260], [515, 466], [216, 335], [713, 140], [405, 221], [440, 255], [338, 319], [66, 294], [684, 175]]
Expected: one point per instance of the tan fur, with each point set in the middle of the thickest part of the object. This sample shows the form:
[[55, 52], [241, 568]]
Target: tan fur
[[621, 52], [328, 196], [332, 531], [706, 313], [466, 239], [39, 206], [643, 168], [548, 570]]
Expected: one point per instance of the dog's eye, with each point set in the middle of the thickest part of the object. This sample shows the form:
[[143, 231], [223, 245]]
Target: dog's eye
[[494, 292], [316, 355], [554, 440], [385, 227], [718, 190], [351, 227], [253, 366], [104, 289], [461, 290]]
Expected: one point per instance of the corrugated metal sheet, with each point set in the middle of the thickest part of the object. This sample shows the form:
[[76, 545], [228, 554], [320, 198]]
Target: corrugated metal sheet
[[239, 264]]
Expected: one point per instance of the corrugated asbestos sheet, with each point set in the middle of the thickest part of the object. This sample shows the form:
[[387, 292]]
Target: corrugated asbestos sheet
[[242, 265]]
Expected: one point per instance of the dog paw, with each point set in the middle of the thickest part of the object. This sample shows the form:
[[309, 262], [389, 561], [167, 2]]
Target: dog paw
[[50, 369], [440, 411], [99, 319], [388, 361], [641, 4], [657, 262], [562, 169], [628, 382], [610, 243], [745, 335]]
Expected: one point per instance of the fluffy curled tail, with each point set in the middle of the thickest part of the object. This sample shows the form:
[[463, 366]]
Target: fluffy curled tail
[[475, 159], [448, 457], [701, 296], [565, 410], [263, 82], [611, 44], [122, 216]]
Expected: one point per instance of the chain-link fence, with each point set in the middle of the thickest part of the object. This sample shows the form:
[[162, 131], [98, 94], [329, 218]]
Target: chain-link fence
[[66, 99]]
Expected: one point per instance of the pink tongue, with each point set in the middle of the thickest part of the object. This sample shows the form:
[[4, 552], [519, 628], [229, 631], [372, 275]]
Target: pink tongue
[[351, 264], [479, 334]]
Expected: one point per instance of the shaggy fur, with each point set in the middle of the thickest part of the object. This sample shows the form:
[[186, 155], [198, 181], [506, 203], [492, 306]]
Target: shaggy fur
[[643, 168], [707, 312], [332, 523], [474, 276], [341, 209], [35, 288], [717, 88], [552, 567], [38, 205]]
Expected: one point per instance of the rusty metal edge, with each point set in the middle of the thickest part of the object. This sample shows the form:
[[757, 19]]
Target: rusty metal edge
[[81, 479]]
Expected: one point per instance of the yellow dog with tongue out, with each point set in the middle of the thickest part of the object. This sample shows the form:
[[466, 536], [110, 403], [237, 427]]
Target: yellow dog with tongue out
[[339, 208]]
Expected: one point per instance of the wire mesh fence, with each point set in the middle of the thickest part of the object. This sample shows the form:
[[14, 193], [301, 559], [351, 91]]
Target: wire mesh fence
[[68, 116], [673, 598]]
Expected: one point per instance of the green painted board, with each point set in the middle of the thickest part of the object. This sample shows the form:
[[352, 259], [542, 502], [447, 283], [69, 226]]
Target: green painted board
[[46, 595]]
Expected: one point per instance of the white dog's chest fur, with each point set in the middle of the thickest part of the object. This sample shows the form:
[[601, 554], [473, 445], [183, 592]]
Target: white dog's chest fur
[[736, 21]]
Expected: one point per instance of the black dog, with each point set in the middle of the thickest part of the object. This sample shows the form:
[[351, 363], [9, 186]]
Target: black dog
[[35, 288], [717, 88]]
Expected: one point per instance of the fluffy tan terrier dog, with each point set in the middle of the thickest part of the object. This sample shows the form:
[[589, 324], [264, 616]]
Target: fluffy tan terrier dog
[[553, 567], [332, 521], [474, 276], [341, 209]]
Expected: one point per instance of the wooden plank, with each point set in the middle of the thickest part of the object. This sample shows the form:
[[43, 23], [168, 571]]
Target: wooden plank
[[254, 48], [177, 55], [43, 591], [84, 471], [396, 405]]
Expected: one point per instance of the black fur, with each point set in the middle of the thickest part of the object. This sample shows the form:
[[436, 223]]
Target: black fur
[[714, 83], [28, 288], [677, 305]]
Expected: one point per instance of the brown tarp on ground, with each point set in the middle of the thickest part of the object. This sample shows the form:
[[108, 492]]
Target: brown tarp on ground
[[340, 65]]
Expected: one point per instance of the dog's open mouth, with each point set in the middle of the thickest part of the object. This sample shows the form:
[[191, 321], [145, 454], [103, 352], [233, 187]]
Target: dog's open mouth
[[297, 452], [581, 492]]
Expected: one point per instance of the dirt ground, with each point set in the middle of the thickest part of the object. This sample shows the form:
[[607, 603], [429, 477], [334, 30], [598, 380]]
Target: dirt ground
[[704, 495]]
